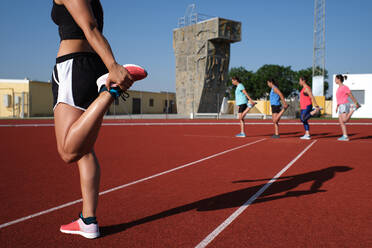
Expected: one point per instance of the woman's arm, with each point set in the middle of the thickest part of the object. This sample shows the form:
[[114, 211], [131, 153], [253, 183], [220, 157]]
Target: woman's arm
[[249, 98], [353, 99], [308, 91], [82, 13], [277, 91]]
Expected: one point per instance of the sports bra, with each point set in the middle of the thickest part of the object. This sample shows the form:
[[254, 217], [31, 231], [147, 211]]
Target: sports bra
[[67, 27]]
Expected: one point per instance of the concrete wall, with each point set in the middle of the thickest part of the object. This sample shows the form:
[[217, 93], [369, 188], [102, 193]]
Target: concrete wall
[[361, 83], [41, 99], [202, 54]]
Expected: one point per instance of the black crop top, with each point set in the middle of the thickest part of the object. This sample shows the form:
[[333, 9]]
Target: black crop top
[[67, 27]]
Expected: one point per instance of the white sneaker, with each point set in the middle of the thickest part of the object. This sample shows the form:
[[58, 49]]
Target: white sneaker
[[343, 138], [305, 137], [240, 135], [90, 231]]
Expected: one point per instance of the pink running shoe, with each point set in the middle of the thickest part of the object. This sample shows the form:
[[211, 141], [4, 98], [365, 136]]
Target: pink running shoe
[[90, 231], [136, 71]]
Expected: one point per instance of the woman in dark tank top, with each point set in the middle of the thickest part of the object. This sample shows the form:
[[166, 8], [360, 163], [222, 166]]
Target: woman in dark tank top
[[80, 24], [67, 27]]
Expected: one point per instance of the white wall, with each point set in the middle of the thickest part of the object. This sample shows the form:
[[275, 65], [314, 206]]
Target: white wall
[[356, 82]]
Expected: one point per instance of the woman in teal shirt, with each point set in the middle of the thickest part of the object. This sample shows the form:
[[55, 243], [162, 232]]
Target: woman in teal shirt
[[241, 100]]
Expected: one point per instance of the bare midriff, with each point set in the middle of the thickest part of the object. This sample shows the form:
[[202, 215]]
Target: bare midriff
[[73, 46]]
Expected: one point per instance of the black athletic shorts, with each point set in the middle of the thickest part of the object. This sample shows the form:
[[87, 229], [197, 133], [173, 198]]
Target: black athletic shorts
[[74, 79], [242, 107], [276, 108]]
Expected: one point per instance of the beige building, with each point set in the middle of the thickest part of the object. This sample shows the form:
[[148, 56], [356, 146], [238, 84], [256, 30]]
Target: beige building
[[142, 102], [28, 98], [25, 98]]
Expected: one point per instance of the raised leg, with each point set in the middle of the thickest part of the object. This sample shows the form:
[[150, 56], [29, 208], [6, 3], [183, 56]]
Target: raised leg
[[76, 130]]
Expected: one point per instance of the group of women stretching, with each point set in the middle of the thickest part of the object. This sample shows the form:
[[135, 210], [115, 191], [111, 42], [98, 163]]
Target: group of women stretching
[[308, 105], [83, 56]]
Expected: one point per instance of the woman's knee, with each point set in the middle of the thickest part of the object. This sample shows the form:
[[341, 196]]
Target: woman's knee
[[69, 156]]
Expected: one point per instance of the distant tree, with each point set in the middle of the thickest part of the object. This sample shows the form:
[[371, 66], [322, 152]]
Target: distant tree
[[287, 80], [283, 75], [256, 83]]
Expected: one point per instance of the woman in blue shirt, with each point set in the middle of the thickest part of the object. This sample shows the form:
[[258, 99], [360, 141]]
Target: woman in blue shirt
[[241, 100], [276, 107]]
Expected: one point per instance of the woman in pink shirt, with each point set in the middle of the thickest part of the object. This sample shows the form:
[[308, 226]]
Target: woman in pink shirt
[[343, 105], [306, 103]]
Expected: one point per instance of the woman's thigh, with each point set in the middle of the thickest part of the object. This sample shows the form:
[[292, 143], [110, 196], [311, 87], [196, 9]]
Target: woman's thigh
[[342, 117], [64, 117]]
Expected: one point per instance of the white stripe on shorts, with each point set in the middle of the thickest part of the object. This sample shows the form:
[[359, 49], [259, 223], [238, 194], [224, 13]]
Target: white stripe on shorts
[[64, 70]]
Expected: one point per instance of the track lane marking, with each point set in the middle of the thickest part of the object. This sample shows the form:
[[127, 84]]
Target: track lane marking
[[241, 209], [195, 124], [129, 184]]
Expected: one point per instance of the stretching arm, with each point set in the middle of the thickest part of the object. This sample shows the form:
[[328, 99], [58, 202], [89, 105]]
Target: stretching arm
[[308, 91], [353, 99], [249, 98], [82, 13], [277, 91]]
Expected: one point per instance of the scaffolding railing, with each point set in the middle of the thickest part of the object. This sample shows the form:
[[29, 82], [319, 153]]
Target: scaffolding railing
[[191, 17]]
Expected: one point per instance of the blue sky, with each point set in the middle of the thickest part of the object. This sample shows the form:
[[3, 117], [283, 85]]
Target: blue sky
[[273, 32]]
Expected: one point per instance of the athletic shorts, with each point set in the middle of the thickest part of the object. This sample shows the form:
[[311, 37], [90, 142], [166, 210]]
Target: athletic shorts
[[344, 108], [74, 79], [276, 108], [242, 107]]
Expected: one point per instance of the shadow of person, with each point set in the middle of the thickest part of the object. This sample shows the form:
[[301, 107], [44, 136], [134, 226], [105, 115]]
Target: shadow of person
[[282, 134], [364, 137], [288, 183], [335, 136], [319, 134], [284, 186]]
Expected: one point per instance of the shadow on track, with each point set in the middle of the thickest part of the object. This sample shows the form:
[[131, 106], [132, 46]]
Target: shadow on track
[[289, 134], [335, 136], [285, 186], [363, 138]]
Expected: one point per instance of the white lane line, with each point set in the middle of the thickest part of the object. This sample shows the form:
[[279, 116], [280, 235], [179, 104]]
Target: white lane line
[[128, 184], [210, 136], [232, 217], [195, 124]]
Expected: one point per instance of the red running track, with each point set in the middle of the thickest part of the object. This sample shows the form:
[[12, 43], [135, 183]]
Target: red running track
[[322, 200]]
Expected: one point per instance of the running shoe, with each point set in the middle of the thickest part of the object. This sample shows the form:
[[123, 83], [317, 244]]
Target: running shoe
[[250, 105], [343, 138], [275, 136], [317, 111], [355, 107], [136, 72], [240, 135], [320, 108], [305, 137], [90, 231]]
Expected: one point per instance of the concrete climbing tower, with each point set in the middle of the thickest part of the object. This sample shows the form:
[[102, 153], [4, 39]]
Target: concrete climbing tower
[[202, 53]]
